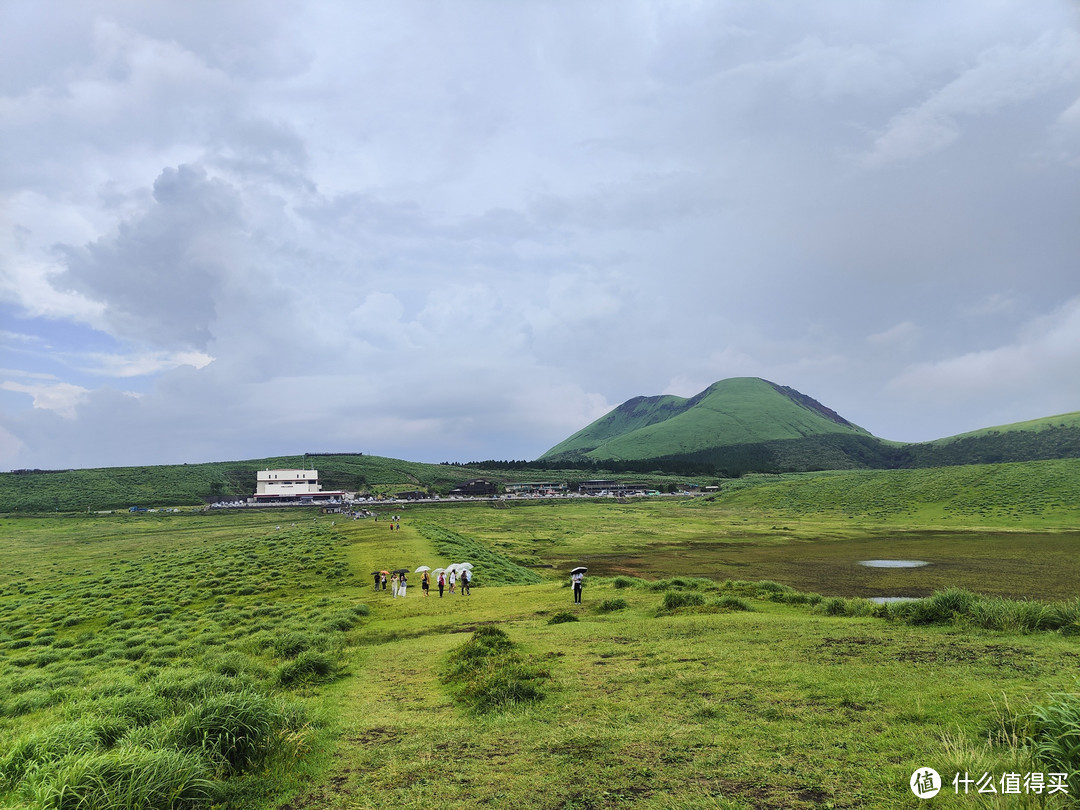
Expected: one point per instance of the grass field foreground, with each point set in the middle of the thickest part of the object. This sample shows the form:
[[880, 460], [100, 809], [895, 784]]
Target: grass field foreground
[[140, 646]]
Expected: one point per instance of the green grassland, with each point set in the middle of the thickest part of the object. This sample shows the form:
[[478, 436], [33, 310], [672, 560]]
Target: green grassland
[[243, 659]]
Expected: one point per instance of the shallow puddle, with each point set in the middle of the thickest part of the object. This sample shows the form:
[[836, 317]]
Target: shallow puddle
[[884, 600]]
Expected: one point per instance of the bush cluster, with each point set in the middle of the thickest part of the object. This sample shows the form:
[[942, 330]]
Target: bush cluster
[[487, 674], [161, 681]]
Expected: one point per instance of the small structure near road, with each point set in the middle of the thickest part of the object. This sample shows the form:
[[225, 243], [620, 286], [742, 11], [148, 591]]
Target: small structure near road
[[474, 487]]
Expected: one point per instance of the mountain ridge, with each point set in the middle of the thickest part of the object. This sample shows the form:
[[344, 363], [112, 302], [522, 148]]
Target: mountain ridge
[[748, 424]]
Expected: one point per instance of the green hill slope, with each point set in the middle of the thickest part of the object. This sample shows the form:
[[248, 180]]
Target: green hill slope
[[190, 484], [1035, 440], [742, 418], [751, 425]]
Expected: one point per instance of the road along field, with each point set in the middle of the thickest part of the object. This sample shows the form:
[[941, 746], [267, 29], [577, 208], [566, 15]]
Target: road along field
[[135, 651]]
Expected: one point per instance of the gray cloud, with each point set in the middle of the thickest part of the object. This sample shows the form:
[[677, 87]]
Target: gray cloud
[[451, 232]]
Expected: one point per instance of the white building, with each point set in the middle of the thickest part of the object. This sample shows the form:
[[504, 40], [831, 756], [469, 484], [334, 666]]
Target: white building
[[291, 485]]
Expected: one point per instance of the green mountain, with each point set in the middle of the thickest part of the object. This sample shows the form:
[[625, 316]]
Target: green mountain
[[740, 423], [749, 424]]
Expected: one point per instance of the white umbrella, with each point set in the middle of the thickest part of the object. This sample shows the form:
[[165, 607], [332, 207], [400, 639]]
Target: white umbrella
[[421, 569], [464, 565], [438, 570]]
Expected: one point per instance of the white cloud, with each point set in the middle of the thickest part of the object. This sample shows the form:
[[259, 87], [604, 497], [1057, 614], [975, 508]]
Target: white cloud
[[141, 364], [1003, 76], [1045, 354], [59, 397]]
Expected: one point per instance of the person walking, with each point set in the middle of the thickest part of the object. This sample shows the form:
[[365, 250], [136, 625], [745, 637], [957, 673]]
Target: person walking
[[402, 582], [425, 583], [466, 581], [378, 579], [442, 583], [578, 580], [382, 579], [453, 579], [394, 584]]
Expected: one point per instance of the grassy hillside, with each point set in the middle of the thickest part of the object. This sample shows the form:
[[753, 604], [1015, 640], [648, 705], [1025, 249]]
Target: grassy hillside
[[751, 425], [190, 484], [736, 412], [1049, 438], [36, 491]]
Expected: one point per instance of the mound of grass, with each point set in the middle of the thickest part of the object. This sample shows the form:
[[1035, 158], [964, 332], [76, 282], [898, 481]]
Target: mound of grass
[[612, 605], [487, 674], [562, 617], [123, 779], [676, 600], [730, 603], [683, 583], [964, 608], [291, 644], [311, 666], [58, 742], [1054, 737], [236, 732]]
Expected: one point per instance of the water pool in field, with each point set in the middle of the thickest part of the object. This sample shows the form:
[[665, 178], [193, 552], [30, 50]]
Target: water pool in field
[[893, 563], [1013, 564], [884, 600]]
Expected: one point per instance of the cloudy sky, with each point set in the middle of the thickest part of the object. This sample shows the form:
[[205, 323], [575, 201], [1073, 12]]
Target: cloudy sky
[[463, 230]]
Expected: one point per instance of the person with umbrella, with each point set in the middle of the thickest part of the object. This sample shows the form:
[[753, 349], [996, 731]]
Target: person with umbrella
[[577, 578], [442, 580], [394, 584], [402, 582], [465, 577], [425, 580], [382, 578]]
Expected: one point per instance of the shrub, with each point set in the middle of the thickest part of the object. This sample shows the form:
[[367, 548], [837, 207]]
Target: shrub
[[502, 688], [233, 664], [124, 779], [625, 582], [834, 606], [138, 709], [732, 603], [187, 686], [290, 645], [611, 605], [673, 600], [488, 675], [310, 666], [1055, 736], [57, 742], [562, 616], [343, 619], [234, 731]]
